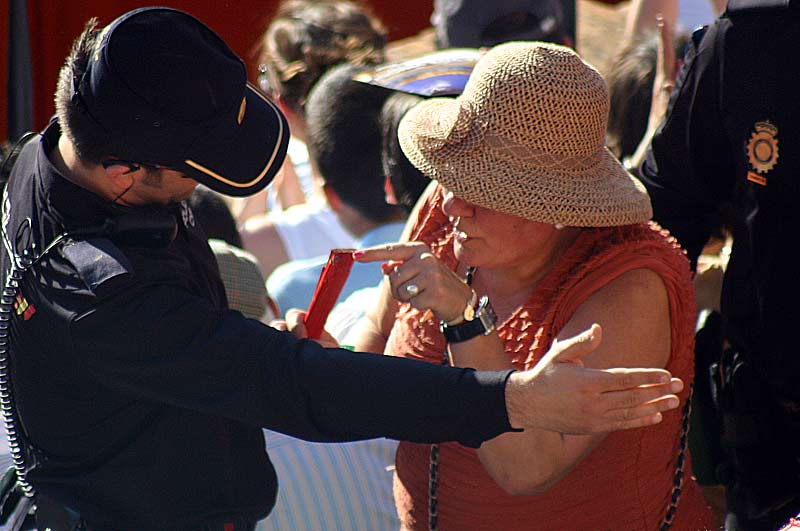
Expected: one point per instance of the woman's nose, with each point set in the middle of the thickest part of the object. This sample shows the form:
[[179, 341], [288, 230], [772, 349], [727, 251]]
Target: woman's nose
[[456, 207]]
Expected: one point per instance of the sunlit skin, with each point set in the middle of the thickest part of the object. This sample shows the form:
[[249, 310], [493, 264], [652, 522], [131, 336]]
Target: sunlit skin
[[512, 256], [121, 184], [159, 186], [490, 239]]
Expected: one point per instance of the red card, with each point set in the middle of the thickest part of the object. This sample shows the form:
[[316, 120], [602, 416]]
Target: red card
[[330, 284]]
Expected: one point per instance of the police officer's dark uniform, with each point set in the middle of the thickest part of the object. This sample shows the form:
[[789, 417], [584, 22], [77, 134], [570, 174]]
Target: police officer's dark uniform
[[732, 136], [140, 394]]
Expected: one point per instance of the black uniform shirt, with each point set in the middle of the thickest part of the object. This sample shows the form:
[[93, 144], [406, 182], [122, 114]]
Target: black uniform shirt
[[732, 135], [145, 393]]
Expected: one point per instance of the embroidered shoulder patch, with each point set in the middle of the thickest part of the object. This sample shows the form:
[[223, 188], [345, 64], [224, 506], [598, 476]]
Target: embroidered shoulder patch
[[762, 151]]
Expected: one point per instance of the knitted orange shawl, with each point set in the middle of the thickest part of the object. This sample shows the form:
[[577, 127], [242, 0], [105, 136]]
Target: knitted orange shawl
[[623, 484]]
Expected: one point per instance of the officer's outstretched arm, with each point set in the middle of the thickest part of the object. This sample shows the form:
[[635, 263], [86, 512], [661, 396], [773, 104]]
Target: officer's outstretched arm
[[559, 394]]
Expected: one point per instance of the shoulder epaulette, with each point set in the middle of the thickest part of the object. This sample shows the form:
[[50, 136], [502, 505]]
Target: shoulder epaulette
[[97, 261], [693, 44], [749, 6]]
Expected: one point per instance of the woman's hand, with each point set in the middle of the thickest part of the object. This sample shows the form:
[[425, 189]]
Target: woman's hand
[[295, 323], [418, 277]]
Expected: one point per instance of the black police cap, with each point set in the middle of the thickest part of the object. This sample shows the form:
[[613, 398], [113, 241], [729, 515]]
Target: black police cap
[[167, 90]]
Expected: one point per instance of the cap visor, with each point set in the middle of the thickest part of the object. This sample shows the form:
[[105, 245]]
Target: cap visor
[[241, 158]]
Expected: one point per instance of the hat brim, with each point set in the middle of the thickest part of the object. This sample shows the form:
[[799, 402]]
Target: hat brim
[[599, 194], [241, 159], [441, 73]]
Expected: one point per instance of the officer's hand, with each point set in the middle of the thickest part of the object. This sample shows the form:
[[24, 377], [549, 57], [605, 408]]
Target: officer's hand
[[559, 394], [295, 323]]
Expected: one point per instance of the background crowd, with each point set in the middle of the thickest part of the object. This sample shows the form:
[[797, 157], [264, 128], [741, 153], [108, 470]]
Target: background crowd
[[361, 109]]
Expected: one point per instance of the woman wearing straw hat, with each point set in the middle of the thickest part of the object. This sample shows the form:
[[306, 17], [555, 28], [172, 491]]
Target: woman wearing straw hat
[[534, 232]]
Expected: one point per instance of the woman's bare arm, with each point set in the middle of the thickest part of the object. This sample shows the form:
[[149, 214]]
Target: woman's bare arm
[[634, 314]]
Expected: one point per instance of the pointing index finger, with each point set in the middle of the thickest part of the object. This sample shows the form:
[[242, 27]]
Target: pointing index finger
[[391, 251]]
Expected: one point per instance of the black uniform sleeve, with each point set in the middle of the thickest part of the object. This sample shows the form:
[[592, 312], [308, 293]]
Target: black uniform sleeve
[[163, 344], [689, 165]]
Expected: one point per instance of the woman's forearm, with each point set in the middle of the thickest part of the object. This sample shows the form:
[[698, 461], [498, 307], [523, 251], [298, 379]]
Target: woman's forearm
[[533, 461], [523, 463], [372, 331]]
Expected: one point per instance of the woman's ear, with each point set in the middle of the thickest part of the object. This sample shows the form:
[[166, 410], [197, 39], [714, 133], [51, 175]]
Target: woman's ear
[[294, 117], [288, 111]]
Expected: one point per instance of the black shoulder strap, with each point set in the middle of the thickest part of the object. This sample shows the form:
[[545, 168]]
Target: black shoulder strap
[[97, 261], [749, 6]]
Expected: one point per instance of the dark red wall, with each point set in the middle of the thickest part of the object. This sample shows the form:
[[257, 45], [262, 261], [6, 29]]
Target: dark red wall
[[3, 68], [55, 23]]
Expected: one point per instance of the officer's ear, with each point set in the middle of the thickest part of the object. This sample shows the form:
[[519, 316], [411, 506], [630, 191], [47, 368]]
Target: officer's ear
[[120, 174]]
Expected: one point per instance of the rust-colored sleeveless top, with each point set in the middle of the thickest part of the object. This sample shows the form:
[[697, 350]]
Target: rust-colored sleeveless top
[[622, 485]]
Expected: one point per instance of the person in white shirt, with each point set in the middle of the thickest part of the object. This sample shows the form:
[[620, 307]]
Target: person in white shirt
[[304, 39]]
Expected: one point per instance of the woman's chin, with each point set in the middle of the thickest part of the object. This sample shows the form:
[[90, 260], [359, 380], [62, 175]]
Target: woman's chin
[[461, 253]]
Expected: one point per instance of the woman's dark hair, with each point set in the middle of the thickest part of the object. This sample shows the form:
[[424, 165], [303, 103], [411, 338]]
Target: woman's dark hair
[[630, 85], [408, 182], [307, 37]]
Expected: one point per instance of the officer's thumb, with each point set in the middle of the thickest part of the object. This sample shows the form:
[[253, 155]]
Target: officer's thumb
[[573, 349]]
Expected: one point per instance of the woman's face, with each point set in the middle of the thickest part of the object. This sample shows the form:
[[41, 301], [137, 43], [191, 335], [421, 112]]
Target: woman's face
[[490, 239]]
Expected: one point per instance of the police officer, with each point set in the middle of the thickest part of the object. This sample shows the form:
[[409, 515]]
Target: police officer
[[137, 396], [732, 137]]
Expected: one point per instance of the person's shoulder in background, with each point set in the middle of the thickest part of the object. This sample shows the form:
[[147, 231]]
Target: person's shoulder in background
[[292, 285], [243, 281]]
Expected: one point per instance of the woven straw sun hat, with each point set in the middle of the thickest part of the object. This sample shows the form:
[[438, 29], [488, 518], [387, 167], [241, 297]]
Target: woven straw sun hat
[[527, 137]]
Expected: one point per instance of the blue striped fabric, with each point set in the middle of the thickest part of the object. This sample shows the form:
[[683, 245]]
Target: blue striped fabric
[[5, 453], [332, 487], [324, 487]]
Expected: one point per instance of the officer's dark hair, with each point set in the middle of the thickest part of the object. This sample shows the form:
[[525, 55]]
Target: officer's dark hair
[[343, 118], [630, 86], [408, 182], [307, 37], [85, 134]]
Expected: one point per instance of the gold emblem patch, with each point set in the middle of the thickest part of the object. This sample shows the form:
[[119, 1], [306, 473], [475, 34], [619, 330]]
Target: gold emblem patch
[[762, 151]]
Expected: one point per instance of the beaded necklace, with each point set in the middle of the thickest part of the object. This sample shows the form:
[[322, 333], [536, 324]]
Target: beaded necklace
[[433, 477]]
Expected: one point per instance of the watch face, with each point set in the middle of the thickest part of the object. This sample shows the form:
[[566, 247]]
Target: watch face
[[486, 315]]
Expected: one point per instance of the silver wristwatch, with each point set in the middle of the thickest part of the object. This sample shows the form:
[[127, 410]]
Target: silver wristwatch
[[483, 323]]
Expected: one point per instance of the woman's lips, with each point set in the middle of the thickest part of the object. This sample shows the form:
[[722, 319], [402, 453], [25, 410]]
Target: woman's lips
[[460, 236]]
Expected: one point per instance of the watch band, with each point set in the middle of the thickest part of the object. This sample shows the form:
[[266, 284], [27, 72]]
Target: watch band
[[483, 324], [469, 311]]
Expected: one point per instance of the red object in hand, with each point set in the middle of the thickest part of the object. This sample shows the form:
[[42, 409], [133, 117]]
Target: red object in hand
[[329, 286]]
